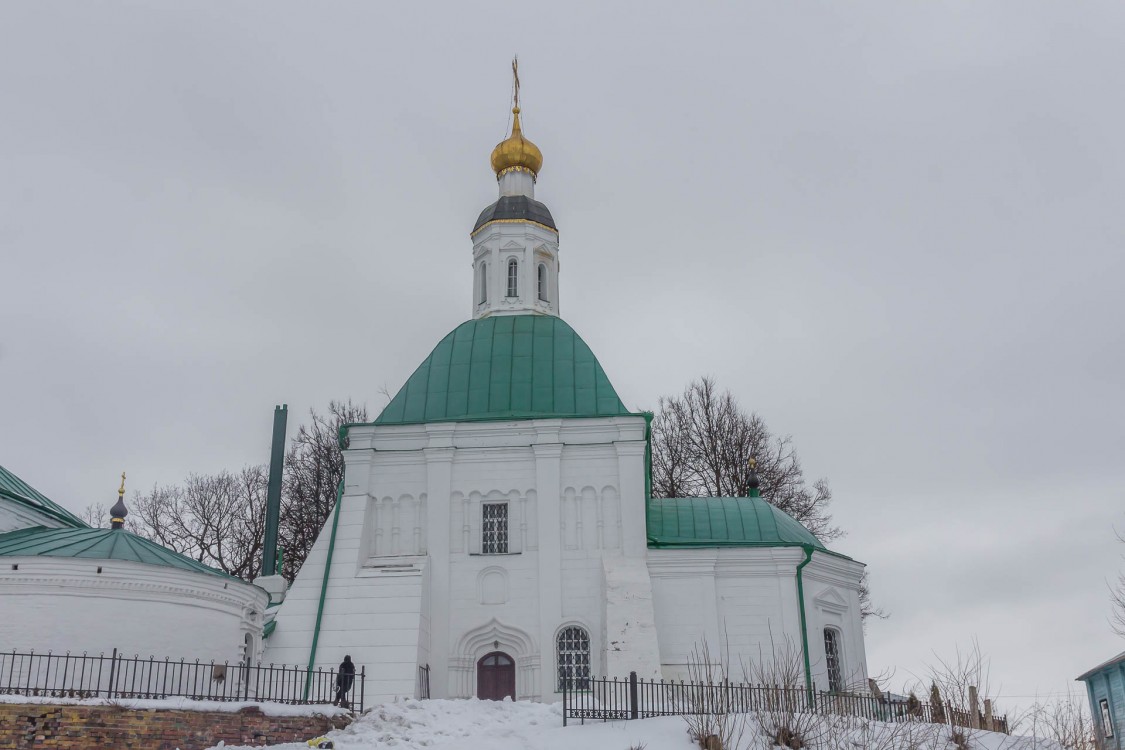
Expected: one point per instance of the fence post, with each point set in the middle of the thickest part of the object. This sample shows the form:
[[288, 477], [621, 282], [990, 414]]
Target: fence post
[[988, 723], [974, 708], [112, 670], [564, 689], [362, 685], [633, 712]]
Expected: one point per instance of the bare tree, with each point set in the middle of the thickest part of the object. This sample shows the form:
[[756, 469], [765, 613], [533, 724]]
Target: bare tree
[[712, 713], [217, 519], [1066, 721], [96, 515], [961, 686], [701, 441], [1117, 598], [314, 468], [866, 607]]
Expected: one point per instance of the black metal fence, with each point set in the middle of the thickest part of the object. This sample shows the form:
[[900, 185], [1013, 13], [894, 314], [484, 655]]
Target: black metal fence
[[121, 677], [423, 690], [608, 699]]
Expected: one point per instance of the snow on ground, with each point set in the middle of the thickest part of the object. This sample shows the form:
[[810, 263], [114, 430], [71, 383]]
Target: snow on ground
[[488, 725], [182, 704]]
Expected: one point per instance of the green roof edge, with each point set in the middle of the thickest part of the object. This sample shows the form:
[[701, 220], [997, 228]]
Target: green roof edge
[[24, 494]]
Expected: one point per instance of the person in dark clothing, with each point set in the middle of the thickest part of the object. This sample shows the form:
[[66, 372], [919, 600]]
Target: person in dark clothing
[[345, 676]]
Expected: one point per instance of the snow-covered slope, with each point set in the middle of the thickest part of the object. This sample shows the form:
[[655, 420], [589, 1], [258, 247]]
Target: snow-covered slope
[[487, 725]]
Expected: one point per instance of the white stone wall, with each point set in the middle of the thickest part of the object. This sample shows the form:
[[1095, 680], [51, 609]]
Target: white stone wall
[[87, 605], [742, 602], [575, 496], [832, 600], [410, 586]]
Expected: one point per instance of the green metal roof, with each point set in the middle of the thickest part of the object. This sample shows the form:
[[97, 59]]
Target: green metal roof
[[723, 522], [14, 488], [95, 544], [506, 367]]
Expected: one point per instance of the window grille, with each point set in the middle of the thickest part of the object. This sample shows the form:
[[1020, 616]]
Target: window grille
[[513, 278], [483, 283], [494, 540], [542, 282], [574, 659], [832, 660]]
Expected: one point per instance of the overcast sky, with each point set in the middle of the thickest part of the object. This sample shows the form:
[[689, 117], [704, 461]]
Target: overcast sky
[[893, 229]]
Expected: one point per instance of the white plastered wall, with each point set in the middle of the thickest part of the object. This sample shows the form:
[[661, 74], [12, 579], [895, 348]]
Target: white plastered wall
[[409, 585], [88, 605], [742, 602]]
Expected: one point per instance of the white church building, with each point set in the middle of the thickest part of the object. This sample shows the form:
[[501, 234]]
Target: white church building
[[495, 527]]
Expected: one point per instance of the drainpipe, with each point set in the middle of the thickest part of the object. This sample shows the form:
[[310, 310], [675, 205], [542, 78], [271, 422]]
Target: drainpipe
[[808, 548], [755, 492], [324, 587]]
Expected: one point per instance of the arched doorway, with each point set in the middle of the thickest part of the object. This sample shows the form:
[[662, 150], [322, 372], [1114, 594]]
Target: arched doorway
[[496, 677]]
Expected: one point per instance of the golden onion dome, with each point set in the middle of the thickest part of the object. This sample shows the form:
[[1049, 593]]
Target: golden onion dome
[[516, 152]]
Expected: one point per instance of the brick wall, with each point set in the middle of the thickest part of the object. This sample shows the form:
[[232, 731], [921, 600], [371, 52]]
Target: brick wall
[[81, 727]]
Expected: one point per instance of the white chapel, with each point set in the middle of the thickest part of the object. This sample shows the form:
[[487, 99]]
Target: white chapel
[[495, 528]]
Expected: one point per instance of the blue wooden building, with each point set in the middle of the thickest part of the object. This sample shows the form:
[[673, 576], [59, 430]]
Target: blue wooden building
[[1105, 685]]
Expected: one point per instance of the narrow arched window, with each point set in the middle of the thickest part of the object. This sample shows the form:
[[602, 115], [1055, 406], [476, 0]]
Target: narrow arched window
[[482, 296], [543, 282], [574, 659], [248, 650], [513, 278], [832, 660]]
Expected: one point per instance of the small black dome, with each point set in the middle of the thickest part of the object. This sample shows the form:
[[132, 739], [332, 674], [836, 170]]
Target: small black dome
[[516, 207]]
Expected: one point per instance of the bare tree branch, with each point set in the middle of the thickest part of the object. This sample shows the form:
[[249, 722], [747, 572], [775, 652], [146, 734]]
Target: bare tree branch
[[701, 441], [314, 467]]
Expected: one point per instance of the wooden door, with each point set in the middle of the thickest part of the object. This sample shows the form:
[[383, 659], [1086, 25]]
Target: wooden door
[[496, 677]]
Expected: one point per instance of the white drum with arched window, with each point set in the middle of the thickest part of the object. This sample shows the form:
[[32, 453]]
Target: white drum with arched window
[[573, 658]]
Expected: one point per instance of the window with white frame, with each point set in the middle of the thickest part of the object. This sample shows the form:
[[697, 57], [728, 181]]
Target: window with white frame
[[494, 529], [573, 659], [543, 282], [513, 278], [833, 661], [482, 296]]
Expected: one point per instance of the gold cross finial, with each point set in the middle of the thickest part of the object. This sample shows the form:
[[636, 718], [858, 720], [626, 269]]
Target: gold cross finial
[[753, 464], [121, 489], [516, 84]]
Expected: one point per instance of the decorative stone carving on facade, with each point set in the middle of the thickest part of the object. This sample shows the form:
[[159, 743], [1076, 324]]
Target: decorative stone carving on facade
[[494, 636], [398, 526]]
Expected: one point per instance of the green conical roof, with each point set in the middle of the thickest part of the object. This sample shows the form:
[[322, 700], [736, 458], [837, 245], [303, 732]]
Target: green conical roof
[[723, 522], [506, 367], [15, 489], [95, 544]]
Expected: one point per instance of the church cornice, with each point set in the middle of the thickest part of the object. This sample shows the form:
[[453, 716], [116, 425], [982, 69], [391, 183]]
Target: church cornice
[[167, 593], [529, 222]]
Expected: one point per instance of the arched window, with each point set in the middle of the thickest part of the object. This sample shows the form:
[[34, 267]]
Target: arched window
[[832, 660], [543, 282], [513, 278], [248, 650], [574, 659], [482, 297]]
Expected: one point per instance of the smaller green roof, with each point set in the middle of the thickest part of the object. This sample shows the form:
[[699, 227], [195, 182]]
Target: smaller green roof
[[723, 522], [96, 544], [14, 488]]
